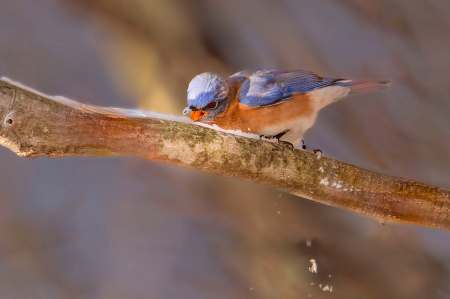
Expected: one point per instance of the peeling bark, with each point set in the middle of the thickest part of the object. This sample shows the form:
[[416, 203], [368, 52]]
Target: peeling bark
[[34, 125]]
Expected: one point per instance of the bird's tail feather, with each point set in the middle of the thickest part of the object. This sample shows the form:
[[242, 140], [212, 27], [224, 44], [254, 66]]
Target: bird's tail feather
[[363, 86]]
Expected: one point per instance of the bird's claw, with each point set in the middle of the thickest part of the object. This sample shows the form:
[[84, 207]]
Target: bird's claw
[[277, 137], [285, 143]]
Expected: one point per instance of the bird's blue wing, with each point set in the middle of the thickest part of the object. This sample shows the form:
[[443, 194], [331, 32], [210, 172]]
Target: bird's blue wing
[[266, 87], [248, 73]]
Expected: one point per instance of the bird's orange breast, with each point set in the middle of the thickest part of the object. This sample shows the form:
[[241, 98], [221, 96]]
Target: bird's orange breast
[[257, 119]]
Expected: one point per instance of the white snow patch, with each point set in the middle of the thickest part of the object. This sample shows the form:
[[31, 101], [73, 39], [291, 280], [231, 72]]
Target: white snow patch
[[337, 185], [20, 85], [279, 212], [327, 288], [321, 169], [126, 112], [313, 268], [308, 243], [236, 132], [139, 113], [324, 181]]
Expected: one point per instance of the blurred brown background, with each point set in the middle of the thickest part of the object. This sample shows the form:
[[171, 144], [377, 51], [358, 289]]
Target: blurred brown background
[[128, 228]]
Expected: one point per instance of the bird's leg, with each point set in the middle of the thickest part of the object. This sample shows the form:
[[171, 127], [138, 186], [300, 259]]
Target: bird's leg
[[303, 145], [278, 136]]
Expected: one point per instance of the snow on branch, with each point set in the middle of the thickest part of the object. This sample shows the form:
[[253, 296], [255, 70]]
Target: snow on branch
[[33, 125]]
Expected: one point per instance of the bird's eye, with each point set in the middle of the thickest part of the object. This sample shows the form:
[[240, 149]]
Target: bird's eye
[[212, 105]]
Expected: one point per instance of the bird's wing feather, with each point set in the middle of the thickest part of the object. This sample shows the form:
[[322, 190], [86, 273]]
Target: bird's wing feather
[[265, 87]]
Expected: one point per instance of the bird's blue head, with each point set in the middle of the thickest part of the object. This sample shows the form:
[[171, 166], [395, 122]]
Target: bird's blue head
[[207, 96]]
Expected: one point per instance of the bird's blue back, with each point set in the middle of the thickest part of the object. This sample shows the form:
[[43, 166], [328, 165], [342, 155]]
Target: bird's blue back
[[269, 86]]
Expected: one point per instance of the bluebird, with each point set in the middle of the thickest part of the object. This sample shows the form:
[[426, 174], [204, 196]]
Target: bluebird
[[268, 102]]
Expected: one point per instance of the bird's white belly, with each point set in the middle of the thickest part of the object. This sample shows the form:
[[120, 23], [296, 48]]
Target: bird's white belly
[[295, 128], [273, 130]]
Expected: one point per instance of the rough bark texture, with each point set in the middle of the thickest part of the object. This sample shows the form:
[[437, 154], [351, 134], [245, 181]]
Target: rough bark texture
[[33, 126]]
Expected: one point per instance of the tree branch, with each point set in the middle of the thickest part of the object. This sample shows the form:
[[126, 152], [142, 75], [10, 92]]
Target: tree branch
[[34, 125]]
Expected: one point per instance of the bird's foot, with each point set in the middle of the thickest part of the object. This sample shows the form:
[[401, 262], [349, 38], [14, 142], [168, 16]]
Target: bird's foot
[[277, 137], [318, 152], [288, 144], [303, 145], [285, 143]]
